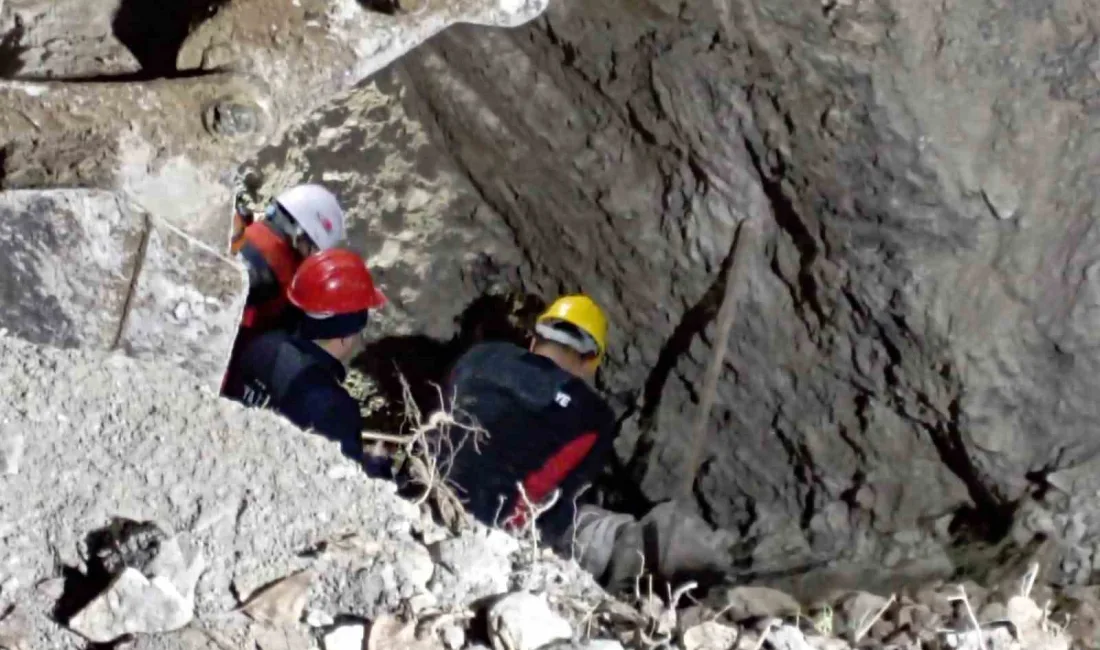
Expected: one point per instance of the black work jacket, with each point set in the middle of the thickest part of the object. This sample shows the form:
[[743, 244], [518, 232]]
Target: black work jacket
[[546, 428]]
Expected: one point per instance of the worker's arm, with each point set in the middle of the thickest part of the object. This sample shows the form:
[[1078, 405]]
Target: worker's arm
[[328, 411]]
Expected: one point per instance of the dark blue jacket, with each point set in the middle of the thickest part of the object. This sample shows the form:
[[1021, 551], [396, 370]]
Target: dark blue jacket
[[303, 382], [546, 428]]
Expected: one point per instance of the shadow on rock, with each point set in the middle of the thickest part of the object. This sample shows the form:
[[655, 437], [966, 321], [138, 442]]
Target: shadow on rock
[[122, 543], [155, 31]]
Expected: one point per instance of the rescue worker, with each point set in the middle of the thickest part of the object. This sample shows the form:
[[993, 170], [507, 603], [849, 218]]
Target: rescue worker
[[299, 222], [548, 428], [300, 374], [550, 431]]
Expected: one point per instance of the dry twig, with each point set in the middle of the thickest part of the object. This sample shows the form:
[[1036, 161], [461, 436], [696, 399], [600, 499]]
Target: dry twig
[[533, 512], [865, 626], [431, 446]]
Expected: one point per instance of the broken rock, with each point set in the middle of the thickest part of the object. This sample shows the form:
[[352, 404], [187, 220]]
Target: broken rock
[[709, 636], [181, 568], [788, 637], [475, 565], [860, 608], [133, 604], [282, 602], [524, 621], [11, 452], [741, 603], [346, 637], [388, 632]]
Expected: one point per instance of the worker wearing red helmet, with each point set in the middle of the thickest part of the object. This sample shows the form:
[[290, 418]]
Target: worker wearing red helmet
[[301, 221], [300, 374]]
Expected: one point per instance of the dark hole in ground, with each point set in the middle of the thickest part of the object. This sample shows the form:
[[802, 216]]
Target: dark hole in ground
[[154, 30], [424, 362], [388, 7]]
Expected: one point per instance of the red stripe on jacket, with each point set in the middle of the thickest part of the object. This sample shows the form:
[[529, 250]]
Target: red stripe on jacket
[[543, 481]]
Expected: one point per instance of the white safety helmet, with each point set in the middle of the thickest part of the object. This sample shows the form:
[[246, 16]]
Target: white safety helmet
[[316, 211]]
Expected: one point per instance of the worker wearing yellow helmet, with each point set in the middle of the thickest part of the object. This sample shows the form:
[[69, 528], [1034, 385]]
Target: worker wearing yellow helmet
[[572, 332], [549, 430], [549, 433]]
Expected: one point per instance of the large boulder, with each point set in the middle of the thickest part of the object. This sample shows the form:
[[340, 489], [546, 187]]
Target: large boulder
[[913, 348], [141, 113]]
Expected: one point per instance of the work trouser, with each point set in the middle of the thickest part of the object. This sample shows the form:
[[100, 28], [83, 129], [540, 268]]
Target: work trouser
[[674, 544]]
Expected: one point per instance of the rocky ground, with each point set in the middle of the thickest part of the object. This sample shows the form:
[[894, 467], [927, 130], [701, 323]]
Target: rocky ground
[[912, 370], [140, 511]]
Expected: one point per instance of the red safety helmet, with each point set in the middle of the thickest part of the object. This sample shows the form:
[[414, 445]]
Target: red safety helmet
[[334, 281]]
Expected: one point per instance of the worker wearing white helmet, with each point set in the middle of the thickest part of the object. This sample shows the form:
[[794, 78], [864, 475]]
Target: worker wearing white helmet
[[301, 221]]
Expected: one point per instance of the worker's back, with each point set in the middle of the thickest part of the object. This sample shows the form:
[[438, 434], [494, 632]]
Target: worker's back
[[300, 380], [546, 428], [271, 265]]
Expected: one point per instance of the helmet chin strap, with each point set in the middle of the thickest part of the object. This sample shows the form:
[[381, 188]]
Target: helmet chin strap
[[290, 229]]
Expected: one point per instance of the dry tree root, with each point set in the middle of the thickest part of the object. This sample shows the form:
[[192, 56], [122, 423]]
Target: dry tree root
[[429, 448], [533, 511]]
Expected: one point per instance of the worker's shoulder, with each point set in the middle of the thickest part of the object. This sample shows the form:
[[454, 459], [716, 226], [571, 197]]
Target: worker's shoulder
[[490, 352], [263, 347], [590, 401], [315, 387]]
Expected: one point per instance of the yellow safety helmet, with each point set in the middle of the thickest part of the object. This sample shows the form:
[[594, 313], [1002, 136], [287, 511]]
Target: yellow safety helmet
[[584, 314]]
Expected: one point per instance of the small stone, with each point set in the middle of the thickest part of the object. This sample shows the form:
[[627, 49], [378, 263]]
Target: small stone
[[992, 612], [52, 588], [454, 637], [346, 637], [709, 636], [1001, 197], [282, 602], [9, 586], [859, 609], [389, 633], [788, 637], [132, 604], [827, 643], [935, 601], [182, 312], [474, 566], [11, 453], [523, 621], [741, 603], [421, 602], [183, 570], [343, 471], [316, 618]]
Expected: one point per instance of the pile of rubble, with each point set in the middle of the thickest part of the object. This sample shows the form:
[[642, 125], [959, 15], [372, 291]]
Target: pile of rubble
[[138, 511]]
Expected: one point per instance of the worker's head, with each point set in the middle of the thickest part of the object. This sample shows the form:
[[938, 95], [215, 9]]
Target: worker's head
[[336, 292], [309, 216], [573, 333]]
